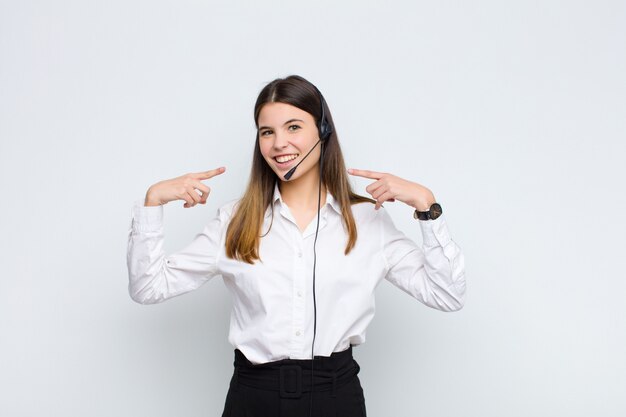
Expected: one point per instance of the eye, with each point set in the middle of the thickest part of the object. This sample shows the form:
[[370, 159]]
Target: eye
[[263, 133], [296, 126]]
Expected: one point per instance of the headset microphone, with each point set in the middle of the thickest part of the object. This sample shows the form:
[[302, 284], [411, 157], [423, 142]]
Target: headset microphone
[[292, 170]]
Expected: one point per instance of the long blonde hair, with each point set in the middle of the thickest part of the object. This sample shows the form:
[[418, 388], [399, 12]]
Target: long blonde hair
[[243, 235]]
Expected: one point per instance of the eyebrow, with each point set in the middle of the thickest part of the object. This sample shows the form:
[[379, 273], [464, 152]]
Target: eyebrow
[[288, 121]]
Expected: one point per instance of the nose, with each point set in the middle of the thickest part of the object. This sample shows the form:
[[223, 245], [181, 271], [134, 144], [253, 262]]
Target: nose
[[280, 141]]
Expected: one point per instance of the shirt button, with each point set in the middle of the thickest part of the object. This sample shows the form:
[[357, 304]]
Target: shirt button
[[299, 293], [299, 254], [298, 333]]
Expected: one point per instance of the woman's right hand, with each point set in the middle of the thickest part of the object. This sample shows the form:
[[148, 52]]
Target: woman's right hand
[[182, 188]]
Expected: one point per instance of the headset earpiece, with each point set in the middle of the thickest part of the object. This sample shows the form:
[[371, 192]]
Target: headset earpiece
[[325, 129]]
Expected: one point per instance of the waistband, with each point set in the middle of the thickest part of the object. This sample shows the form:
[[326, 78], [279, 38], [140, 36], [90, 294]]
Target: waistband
[[292, 377]]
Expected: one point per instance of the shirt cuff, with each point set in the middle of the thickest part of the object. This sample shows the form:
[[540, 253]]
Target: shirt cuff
[[146, 218], [435, 232]]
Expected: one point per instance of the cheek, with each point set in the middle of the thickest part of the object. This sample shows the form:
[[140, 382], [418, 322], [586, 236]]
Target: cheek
[[265, 151], [315, 153], [264, 148]]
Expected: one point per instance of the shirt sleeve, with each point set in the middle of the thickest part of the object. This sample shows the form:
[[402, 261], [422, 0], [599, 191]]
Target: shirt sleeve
[[153, 276], [434, 274]]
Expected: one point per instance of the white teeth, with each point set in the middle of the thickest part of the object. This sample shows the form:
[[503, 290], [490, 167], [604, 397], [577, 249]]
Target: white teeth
[[286, 158]]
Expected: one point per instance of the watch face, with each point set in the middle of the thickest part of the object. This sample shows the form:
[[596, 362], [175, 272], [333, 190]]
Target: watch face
[[435, 211]]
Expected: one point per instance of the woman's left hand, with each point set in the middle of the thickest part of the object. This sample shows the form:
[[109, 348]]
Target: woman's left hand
[[388, 187]]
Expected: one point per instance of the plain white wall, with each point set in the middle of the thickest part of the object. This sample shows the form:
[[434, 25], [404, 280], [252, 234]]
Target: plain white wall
[[511, 112]]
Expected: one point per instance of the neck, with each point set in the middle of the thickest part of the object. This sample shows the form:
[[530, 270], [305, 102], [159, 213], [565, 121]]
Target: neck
[[302, 192]]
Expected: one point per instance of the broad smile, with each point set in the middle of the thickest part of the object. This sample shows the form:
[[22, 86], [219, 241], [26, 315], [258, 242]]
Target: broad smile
[[285, 160]]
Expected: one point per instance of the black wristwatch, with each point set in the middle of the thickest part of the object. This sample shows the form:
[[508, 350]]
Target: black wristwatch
[[433, 212]]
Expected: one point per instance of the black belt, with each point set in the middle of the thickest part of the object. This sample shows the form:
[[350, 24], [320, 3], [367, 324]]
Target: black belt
[[292, 377]]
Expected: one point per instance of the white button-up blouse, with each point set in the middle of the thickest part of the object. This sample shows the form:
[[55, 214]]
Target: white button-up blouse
[[272, 300]]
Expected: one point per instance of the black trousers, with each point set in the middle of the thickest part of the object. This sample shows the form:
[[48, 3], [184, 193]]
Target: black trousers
[[283, 388]]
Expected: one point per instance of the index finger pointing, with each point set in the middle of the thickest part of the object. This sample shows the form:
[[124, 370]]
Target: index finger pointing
[[211, 173], [365, 173]]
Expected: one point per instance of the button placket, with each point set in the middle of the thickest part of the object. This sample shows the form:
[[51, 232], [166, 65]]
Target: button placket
[[298, 301], [310, 230]]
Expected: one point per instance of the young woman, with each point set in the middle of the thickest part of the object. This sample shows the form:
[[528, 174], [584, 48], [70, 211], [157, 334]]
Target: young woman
[[301, 254]]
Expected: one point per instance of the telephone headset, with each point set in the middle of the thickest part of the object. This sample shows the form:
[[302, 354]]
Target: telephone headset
[[325, 130]]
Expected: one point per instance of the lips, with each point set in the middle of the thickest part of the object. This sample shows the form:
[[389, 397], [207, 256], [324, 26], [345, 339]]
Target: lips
[[285, 160]]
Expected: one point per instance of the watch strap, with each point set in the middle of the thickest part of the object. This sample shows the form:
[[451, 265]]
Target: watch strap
[[421, 215]]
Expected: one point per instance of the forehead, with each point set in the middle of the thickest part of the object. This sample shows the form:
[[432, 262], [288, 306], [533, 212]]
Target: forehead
[[275, 114]]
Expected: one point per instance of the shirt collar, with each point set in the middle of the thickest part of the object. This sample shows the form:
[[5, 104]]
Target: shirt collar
[[329, 199]]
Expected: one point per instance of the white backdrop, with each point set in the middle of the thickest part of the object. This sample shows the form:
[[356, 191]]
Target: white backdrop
[[511, 112]]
